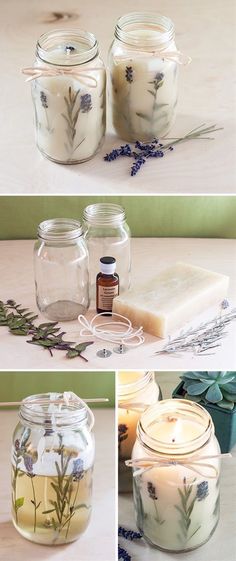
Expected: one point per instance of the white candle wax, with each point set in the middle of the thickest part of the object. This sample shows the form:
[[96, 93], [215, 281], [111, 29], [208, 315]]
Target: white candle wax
[[177, 508], [143, 89], [70, 109]]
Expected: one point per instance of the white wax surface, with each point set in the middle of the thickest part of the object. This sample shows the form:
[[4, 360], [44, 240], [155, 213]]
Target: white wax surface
[[176, 430]]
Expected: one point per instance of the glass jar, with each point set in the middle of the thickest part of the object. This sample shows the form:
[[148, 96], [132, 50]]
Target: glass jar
[[69, 96], [107, 233], [176, 491], [61, 269], [136, 391], [143, 76], [52, 464]]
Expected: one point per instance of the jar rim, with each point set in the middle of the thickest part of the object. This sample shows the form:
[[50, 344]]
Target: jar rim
[[60, 229], [70, 37], [124, 390], [162, 26], [34, 409], [104, 214], [181, 408]]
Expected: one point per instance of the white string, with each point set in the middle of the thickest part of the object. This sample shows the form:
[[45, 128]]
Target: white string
[[121, 332]]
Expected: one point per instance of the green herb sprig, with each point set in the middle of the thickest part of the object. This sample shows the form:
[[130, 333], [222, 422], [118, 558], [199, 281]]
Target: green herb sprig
[[20, 321]]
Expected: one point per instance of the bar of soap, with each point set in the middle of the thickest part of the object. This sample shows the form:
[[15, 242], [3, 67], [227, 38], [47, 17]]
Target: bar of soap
[[172, 298]]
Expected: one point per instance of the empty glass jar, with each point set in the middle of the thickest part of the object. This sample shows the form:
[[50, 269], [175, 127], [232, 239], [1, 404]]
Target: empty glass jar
[[69, 96], [52, 464], [107, 233], [136, 391], [61, 269], [143, 76], [176, 485]]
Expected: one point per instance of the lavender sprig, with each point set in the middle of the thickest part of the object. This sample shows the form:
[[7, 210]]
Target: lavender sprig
[[128, 534], [123, 554], [156, 149]]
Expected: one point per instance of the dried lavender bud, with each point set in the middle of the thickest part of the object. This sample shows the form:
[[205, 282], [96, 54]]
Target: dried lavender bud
[[85, 103], [78, 469], [43, 99], [152, 491], [202, 490], [128, 534], [129, 74]]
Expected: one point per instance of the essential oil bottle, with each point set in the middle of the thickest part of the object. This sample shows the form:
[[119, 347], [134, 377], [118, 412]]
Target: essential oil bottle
[[107, 285]]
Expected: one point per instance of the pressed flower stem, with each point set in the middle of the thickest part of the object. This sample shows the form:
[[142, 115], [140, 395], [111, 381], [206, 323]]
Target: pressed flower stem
[[72, 513], [35, 506]]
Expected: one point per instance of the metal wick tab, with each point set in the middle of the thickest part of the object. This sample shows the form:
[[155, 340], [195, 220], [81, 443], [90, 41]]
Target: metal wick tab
[[104, 353], [121, 349]]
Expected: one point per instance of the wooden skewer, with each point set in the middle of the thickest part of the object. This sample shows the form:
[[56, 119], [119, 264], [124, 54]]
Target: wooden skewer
[[57, 401]]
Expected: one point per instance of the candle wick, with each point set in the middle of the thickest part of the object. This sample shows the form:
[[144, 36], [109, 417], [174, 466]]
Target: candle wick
[[69, 49], [173, 439]]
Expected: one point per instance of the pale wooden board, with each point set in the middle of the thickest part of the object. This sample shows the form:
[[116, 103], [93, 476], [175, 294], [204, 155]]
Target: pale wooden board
[[222, 544], [17, 282], [99, 539], [204, 30]]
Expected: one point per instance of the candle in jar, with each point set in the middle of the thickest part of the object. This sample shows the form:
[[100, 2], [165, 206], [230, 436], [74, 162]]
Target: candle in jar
[[143, 81], [176, 502], [136, 390], [70, 106]]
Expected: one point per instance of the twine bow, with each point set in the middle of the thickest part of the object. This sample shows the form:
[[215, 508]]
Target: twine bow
[[146, 464], [47, 71], [174, 56]]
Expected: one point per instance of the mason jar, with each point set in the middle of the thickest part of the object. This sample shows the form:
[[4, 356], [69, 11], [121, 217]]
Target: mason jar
[[136, 391], [143, 68], [61, 269], [52, 464], [69, 96], [107, 233], [176, 475]]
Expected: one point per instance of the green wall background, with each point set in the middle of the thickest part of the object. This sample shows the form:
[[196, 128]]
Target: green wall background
[[14, 386], [163, 216]]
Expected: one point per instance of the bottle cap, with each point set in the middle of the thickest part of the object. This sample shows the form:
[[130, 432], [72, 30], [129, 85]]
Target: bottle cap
[[107, 265]]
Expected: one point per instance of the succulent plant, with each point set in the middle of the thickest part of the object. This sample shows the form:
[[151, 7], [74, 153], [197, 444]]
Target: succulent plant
[[211, 387]]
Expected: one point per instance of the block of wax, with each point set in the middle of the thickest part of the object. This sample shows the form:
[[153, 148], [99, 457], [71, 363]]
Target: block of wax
[[173, 297]]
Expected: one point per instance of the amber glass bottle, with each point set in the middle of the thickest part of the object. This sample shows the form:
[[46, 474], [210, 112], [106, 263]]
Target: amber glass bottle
[[107, 285]]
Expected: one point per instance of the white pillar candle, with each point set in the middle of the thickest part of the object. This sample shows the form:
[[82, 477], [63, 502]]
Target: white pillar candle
[[176, 500], [136, 391], [143, 78], [70, 105]]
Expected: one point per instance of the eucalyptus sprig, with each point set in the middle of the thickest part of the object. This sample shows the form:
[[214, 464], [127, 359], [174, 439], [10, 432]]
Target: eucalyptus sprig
[[20, 321], [155, 149]]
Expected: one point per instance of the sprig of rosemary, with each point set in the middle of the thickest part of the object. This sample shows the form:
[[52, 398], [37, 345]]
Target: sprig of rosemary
[[156, 149], [202, 339], [20, 321]]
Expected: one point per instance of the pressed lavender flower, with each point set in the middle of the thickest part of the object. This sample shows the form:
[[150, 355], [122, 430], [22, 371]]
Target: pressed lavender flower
[[85, 103], [78, 469], [123, 554], [44, 100], [225, 304], [152, 491], [28, 464], [17, 444], [202, 490], [128, 534], [122, 429], [129, 74], [158, 81]]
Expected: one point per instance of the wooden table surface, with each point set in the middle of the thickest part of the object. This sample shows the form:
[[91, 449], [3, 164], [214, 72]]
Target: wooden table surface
[[204, 30], [99, 539], [222, 545], [17, 282]]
